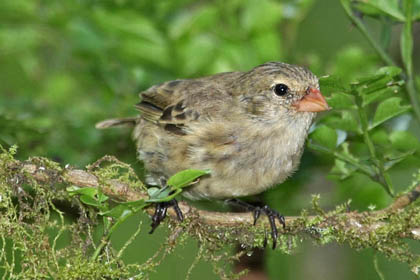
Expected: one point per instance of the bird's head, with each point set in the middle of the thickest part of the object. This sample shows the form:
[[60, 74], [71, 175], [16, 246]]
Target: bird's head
[[274, 90]]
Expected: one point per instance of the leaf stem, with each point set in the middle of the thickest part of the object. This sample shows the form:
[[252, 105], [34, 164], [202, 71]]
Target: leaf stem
[[105, 238], [384, 178], [376, 265], [365, 169], [407, 56], [359, 24]]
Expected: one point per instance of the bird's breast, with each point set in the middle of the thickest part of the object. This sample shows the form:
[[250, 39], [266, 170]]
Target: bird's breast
[[251, 158]]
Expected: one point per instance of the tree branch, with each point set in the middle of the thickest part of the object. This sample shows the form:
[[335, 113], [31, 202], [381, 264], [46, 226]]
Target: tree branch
[[359, 223]]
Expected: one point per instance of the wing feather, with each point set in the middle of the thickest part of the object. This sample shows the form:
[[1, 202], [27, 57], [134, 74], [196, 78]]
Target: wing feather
[[176, 103]]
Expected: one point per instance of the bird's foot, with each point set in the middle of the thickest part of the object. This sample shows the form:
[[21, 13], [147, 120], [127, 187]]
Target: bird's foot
[[161, 209], [271, 214]]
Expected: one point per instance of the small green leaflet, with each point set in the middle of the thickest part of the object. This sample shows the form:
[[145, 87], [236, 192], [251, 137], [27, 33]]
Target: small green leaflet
[[346, 121], [381, 8], [390, 71], [161, 195], [125, 208], [387, 110], [342, 169], [332, 83], [186, 177], [175, 184], [89, 191], [89, 196], [404, 141], [379, 94], [340, 101], [325, 136]]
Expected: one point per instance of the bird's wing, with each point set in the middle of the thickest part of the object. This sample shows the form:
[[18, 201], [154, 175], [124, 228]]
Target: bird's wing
[[182, 101]]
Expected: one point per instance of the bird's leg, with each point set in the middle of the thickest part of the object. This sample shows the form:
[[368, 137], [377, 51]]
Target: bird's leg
[[271, 214], [158, 216], [161, 209]]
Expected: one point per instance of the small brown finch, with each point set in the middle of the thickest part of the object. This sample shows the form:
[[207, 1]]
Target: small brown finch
[[248, 128]]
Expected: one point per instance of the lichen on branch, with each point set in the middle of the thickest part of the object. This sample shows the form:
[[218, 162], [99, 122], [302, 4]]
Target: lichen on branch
[[33, 190]]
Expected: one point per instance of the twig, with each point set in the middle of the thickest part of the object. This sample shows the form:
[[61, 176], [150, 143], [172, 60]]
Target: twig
[[359, 24], [409, 85]]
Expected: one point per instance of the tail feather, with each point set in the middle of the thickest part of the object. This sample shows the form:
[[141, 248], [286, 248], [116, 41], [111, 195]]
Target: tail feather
[[131, 121]]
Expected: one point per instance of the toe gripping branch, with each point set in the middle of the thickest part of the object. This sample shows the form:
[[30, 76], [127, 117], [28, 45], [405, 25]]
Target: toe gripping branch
[[271, 214], [161, 209]]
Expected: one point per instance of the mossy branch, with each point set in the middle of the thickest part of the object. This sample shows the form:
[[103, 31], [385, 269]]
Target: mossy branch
[[384, 230], [122, 191]]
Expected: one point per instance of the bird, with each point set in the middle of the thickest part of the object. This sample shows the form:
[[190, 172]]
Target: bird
[[248, 128]]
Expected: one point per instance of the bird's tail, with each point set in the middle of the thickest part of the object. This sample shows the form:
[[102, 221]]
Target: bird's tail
[[131, 121]]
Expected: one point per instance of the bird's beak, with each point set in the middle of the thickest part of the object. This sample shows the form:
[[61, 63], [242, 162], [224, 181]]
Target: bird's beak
[[313, 101]]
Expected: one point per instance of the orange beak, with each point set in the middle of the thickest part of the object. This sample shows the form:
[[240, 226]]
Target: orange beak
[[312, 102]]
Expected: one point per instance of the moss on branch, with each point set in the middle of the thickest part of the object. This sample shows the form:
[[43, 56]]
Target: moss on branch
[[31, 190]]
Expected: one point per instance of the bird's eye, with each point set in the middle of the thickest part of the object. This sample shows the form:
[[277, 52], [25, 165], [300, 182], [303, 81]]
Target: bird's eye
[[281, 89]]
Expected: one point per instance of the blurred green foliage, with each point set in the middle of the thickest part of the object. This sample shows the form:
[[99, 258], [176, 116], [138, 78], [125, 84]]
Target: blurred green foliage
[[66, 65]]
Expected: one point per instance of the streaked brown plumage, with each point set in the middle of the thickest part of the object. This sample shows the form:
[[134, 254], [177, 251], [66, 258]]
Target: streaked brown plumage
[[248, 128]]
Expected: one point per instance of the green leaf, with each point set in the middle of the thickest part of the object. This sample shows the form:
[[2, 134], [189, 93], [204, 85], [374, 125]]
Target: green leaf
[[416, 11], [325, 136], [88, 200], [394, 157], [368, 80], [379, 86], [380, 137], [367, 9], [378, 80], [346, 121], [332, 83], [390, 71], [165, 195], [89, 196], [186, 177], [404, 141], [136, 203], [117, 212], [346, 152], [381, 7], [379, 94], [385, 36], [153, 191], [342, 169], [407, 38], [339, 101], [125, 208], [387, 110], [102, 197], [363, 189], [74, 190]]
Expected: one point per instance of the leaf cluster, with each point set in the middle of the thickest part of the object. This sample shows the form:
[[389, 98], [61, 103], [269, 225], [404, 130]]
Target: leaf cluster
[[359, 133]]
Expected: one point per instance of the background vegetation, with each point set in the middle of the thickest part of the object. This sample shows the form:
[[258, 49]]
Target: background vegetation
[[66, 65]]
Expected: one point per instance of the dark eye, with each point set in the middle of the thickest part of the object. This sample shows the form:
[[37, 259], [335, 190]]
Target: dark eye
[[281, 89]]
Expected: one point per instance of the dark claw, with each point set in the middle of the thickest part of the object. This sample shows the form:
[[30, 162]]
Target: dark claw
[[265, 239], [177, 210], [160, 213], [158, 216], [274, 233], [271, 214], [257, 213]]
